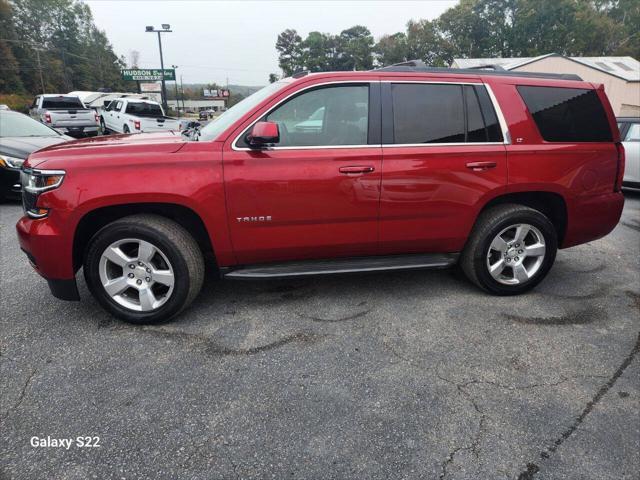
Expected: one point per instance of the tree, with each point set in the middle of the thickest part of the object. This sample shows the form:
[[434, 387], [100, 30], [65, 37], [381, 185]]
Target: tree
[[73, 53], [9, 68], [391, 49], [289, 47], [424, 42], [273, 78], [355, 49]]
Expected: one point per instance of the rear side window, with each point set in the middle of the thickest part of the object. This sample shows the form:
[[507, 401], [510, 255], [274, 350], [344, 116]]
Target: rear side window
[[427, 113], [53, 103], [443, 113], [567, 114]]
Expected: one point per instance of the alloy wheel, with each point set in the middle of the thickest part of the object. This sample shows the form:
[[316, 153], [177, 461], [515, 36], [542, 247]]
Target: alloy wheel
[[516, 254], [136, 274]]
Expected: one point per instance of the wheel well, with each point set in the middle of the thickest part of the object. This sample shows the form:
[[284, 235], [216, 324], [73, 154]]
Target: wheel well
[[96, 219], [552, 205]]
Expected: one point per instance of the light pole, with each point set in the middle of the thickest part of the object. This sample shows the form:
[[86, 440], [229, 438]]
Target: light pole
[[176, 84], [166, 28]]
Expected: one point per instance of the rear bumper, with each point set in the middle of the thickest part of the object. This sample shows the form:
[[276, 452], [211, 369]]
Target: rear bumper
[[74, 131], [50, 254], [592, 217]]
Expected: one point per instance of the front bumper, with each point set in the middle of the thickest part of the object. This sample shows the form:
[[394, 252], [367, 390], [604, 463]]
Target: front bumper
[[50, 253]]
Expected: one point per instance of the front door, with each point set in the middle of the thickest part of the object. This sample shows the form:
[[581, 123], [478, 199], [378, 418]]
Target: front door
[[315, 193], [443, 153]]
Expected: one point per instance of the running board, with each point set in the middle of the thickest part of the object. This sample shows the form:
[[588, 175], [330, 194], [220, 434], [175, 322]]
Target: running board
[[343, 265]]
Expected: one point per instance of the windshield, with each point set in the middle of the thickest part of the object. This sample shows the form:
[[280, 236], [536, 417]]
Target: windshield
[[228, 118], [53, 103], [143, 109], [17, 125]]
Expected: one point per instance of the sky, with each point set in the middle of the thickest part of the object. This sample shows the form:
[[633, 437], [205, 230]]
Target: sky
[[215, 40]]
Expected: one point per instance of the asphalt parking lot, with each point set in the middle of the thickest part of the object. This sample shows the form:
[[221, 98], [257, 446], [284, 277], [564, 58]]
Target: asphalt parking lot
[[407, 375]]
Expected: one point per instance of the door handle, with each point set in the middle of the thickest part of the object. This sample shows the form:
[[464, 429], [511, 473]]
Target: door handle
[[355, 169], [479, 166]]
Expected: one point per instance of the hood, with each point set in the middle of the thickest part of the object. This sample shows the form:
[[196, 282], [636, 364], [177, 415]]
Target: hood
[[22, 147], [164, 142]]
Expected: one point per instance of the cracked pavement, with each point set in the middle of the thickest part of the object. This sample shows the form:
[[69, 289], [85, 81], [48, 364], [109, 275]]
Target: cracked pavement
[[406, 375]]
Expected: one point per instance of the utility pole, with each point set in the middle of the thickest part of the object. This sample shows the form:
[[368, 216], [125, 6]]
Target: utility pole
[[40, 69], [176, 85], [166, 28], [182, 92]]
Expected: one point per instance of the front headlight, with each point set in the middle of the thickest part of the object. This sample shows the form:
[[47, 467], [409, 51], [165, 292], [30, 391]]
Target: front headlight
[[34, 182], [11, 162]]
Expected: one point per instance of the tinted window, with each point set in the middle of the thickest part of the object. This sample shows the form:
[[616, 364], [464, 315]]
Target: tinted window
[[427, 113], [494, 131], [53, 103], [633, 134], [476, 129], [567, 114], [144, 109], [325, 116]]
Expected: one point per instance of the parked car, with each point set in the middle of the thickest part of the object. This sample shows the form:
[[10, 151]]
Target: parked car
[[65, 113], [19, 137], [203, 115], [493, 171], [126, 115], [630, 134], [4, 107]]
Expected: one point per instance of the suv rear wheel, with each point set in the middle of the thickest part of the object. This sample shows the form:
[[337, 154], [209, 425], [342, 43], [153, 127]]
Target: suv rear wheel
[[510, 250], [144, 268]]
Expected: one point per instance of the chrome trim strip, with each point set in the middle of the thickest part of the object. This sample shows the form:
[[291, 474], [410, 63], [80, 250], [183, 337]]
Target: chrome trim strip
[[496, 106], [453, 144], [440, 82], [506, 136]]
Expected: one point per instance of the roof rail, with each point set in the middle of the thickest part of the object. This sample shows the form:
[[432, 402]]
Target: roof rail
[[492, 66], [418, 66]]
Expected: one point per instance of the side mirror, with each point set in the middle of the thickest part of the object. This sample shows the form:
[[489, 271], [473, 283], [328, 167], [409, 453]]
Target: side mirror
[[263, 133]]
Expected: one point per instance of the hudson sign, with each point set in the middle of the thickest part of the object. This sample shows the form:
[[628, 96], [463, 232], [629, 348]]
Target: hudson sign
[[150, 74]]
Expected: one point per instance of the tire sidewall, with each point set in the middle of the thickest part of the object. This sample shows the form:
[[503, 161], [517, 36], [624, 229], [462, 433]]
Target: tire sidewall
[[113, 233], [480, 258]]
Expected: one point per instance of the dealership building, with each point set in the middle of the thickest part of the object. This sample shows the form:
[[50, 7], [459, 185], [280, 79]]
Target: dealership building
[[619, 75]]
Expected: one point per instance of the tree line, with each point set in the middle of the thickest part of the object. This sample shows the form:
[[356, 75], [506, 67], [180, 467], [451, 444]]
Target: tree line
[[471, 29], [54, 46]]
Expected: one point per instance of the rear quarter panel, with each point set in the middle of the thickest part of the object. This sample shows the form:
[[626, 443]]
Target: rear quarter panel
[[582, 173]]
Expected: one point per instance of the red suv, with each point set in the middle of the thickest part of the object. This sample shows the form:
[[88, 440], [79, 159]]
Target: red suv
[[399, 168]]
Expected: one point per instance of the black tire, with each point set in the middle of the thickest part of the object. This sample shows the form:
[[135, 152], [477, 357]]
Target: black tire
[[175, 243], [125, 129], [489, 224]]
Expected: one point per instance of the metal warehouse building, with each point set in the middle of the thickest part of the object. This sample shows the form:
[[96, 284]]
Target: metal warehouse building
[[620, 75]]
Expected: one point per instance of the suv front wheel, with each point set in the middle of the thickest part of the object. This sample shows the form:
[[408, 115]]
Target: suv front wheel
[[510, 250], [144, 268]]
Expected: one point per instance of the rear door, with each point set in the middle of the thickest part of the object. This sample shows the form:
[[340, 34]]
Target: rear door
[[443, 154], [315, 193]]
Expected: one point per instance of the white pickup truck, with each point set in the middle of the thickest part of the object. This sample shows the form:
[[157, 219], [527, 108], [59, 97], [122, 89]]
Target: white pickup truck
[[65, 113], [126, 115]]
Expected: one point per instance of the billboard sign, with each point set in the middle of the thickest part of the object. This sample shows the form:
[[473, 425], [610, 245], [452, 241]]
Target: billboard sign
[[215, 93], [147, 74], [150, 87]]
